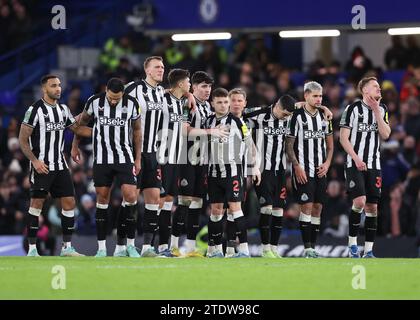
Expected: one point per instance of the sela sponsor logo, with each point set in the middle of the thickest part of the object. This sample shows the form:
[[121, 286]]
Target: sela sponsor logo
[[118, 122], [154, 105], [309, 134], [219, 140], [173, 117], [364, 127], [55, 126], [275, 131]]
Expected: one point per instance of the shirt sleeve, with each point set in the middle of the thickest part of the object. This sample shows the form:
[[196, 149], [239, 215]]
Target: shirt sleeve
[[292, 128], [386, 118], [70, 119], [329, 128], [89, 107], [136, 110], [346, 118], [31, 117]]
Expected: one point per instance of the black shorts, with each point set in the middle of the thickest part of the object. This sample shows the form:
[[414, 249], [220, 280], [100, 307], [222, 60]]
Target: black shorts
[[57, 183], [313, 191], [222, 190], [364, 183], [170, 180], [150, 175], [193, 180], [272, 189], [104, 174]]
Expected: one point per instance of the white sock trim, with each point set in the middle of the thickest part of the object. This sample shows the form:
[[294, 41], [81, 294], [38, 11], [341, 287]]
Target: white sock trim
[[35, 212], [101, 206], [277, 212], [305, 217], [130, 204], [316, 220], [68, 213], [266, 210], [167, 206], [355, 209], [369, 214], [183, 202], [237, 214], [152, 207], [196, 204], [123, 203], [352, 241], [230, 217], [216, 218]]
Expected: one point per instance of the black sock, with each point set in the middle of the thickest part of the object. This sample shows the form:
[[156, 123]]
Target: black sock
[[67, 225], [265, 228], [305, 228], [216, 231], [164, 226], [121, 226], [240, 224], [33, 226], [314, 234], [276, 226], [230, 232], [131, 221], [193, 223], [101, 223], [149, 225], [178, 220], [354, 223], [371, 224]]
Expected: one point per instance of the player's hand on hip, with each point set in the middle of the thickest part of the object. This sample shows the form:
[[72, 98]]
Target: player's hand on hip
[[40, 167], [300, 174], [76, 155], [137, 167]]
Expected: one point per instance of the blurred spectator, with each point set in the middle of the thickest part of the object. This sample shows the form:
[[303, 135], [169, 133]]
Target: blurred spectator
[[334, 220], [396, 56], [113, 51], [394, 166], [85, 224], [358, 65], [413, 51], [20, 27]]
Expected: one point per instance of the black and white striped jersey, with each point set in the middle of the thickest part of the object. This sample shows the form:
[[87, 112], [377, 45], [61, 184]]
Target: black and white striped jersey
[[151, 104], [197, 146], [268, 133], [46, 140], [112, 134], [310, 131], [170, 130], [364, 134], [226, 154]]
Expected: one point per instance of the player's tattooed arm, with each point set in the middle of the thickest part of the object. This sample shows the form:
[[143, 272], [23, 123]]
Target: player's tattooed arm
[[81, 130], [137, 137], [82, 120], [24, 134], [290, 141]]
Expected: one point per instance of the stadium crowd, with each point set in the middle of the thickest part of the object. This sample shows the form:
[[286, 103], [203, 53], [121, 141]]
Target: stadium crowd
[[253, 66]]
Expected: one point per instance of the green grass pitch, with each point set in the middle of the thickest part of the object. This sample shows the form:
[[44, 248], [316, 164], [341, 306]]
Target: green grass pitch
[[202, 278]]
